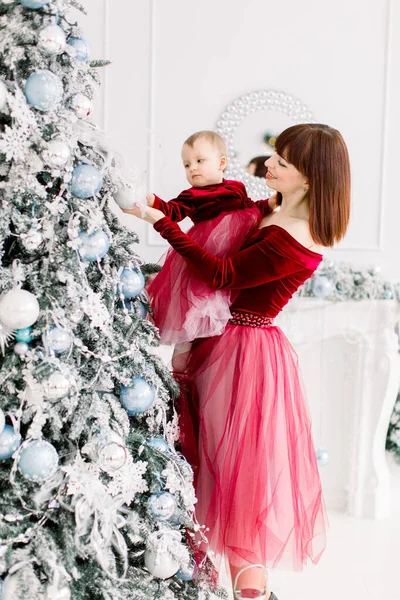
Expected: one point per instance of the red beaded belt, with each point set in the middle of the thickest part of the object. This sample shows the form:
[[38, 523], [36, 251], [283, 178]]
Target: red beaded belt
[[250, 320]]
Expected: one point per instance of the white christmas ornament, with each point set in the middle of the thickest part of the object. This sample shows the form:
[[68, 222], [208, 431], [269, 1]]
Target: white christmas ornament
[[18, 309], [56, 386], [131, 194], [52, 40], [57, 153], [161, 565], [2, 420], [82, 105], [3, 96], [21, 348]]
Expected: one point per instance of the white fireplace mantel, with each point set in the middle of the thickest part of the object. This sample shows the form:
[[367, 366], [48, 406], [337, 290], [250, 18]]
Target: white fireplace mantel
[[348, 354]]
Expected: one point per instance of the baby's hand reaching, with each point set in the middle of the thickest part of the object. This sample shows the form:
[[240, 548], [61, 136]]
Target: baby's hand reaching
[[273, 202], [151, 215], [150, 199]]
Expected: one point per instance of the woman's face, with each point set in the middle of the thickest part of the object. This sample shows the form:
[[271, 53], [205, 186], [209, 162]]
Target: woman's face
[[283, 177]]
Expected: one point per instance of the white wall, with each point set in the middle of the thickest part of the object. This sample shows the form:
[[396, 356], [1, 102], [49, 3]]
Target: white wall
[[340, 57]]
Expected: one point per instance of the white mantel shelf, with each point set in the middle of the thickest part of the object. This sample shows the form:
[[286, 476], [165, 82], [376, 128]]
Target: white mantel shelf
[[349, 357]]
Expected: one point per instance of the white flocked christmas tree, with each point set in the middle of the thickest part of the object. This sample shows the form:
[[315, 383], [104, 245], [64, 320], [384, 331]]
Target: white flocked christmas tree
[[95, 501]]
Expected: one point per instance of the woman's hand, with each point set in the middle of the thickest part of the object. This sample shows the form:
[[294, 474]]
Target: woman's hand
[[151, 215]]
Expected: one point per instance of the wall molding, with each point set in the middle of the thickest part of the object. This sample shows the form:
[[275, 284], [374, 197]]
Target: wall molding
[[153, 239], [378, 247]]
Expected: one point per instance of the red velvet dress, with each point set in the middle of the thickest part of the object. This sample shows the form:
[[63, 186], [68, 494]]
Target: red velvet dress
[[257, 479], [184, 306]]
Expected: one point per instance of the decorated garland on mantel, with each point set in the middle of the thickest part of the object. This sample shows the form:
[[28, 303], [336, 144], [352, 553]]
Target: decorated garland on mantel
[[343, 281]]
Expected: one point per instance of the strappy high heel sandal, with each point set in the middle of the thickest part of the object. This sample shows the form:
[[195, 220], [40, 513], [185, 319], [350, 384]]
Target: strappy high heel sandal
[[254, 593]]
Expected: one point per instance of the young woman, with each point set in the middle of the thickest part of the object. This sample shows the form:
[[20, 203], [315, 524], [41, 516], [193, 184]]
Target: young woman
[[257, 482]]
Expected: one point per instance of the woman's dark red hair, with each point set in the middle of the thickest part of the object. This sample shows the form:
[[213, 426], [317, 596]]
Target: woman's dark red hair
[[320, 153]]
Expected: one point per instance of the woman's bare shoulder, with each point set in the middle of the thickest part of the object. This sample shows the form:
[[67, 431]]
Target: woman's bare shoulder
[[299, 229]]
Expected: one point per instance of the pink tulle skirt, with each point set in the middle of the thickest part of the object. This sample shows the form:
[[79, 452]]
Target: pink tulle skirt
[[246, 429], [184, 307]]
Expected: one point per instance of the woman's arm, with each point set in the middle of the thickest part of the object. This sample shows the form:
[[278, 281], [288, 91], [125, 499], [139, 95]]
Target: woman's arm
[[263, 261]]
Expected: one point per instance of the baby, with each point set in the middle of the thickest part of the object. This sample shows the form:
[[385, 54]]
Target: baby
[[184, 307]]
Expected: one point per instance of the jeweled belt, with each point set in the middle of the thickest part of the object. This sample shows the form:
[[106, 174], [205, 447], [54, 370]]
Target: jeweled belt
[[250, 319]]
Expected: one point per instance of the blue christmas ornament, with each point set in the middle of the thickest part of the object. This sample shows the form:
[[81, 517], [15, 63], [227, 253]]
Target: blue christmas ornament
[[322, 286], [137, 308], [38, 461], [162, 506], [138, 397], [131, 283], [388, 294], [186, 573], [81, 48], [158, 443], [24, 335], [175, 519], [86, 181], [34, 3], [10, 441], [322, 457], [58, 339], [93, 246], [44, 90], [141, 310]]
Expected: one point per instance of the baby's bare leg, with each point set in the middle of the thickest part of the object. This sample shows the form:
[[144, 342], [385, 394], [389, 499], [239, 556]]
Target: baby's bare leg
[[180, 357]]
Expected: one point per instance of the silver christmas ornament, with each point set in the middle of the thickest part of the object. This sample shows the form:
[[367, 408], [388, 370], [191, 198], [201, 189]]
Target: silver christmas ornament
[[58, 339], [51, 40], [56, 386], [57, 153], [162, 506], [82, 105], [112, 456], [18, 309]]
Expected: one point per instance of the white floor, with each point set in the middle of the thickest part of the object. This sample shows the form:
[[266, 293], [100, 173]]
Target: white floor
[[362, 560]]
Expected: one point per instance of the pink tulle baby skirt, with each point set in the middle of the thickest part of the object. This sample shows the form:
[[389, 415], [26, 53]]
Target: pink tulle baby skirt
[[246, 430], [185, 307]]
